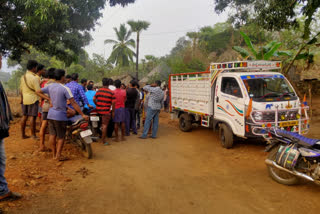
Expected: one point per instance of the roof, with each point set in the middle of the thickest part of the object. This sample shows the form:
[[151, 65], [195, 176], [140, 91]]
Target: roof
[[162, 70], [124, 79]]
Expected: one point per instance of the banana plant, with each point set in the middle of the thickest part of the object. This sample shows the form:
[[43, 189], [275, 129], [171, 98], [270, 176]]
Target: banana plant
[[261, 53]]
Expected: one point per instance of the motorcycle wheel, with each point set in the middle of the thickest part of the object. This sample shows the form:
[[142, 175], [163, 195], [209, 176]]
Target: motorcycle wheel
[[86, 149], [278, 175]]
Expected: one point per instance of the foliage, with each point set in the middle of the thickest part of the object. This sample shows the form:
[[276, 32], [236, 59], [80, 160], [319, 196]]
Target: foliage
[[215, 39], [121, 54], [92, 69], [272, 14], [4, 76], [14, 81], [262, 53], [138, 27], [196, 64], [50, 26]]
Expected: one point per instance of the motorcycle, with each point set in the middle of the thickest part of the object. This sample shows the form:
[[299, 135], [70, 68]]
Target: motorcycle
[[79, 133], [95, 122], [292, 157]]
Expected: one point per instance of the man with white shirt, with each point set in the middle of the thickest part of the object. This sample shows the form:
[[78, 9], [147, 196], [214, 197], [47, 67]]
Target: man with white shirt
[[155, 104]]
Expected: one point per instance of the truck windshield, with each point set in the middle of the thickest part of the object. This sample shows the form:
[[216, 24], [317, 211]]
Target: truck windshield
[[263, 88]]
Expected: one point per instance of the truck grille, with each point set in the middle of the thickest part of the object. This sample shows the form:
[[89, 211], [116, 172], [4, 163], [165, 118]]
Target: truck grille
[[282, 116]]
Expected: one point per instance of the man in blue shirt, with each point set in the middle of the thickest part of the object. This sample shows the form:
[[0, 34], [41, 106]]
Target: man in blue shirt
[[77, 91], [57, 115], [90, 94]]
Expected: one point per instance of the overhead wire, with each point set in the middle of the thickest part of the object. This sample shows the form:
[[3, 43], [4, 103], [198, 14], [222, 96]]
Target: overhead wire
[[153, 34]]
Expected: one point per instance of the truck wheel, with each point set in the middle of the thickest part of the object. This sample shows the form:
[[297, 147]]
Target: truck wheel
[[226, 136], [185, 123]]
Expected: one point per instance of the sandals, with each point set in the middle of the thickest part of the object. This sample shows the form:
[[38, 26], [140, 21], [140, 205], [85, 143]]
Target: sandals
[[62, 158], [10, 196]]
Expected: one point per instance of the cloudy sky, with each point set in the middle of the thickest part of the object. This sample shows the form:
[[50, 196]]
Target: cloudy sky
[[170, 20]]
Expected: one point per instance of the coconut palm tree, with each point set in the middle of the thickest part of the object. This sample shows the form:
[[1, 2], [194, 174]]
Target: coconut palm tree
[[121, 51], [137, 27]]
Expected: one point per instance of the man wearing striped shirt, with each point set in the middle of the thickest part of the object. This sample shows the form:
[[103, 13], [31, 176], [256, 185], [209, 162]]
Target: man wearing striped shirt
[[104, 99]]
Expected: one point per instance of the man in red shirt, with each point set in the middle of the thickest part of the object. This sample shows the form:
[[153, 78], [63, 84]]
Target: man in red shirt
[[119, 114], [104, 99]]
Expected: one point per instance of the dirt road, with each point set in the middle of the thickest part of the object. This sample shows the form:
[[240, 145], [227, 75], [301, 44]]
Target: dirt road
[[176, 173]]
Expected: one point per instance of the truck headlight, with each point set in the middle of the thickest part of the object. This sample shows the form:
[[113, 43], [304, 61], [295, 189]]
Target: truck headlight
[[257, 116]]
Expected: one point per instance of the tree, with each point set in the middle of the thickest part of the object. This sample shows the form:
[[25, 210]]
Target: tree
[[121, 52], [262, 53], [194, 36], [50, 26], [152, 60], [138, 27], [272, 14]]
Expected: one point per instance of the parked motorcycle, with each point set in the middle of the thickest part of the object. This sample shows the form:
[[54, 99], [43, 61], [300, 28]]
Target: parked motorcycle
[[95, 122], [293, 157], [79, 133]]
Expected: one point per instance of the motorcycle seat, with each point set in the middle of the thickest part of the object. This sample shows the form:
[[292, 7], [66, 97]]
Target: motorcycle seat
[[303, 141], [75, 120]]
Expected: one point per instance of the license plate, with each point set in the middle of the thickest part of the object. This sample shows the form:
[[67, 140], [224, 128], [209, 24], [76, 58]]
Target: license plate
[[95, 124], [86, 133], [88, 140], [289, 123], [94, 118]]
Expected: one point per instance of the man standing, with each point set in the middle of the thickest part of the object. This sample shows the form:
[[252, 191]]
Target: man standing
[[118, 114], [57, 115], [77, 91], [30, 101], [5, 117], [111, 123], [45, 108], [90, 94], [132, 96], [40, 71], [155, 103], [68, 79], [137, 107], [104, 99], [84, 84]]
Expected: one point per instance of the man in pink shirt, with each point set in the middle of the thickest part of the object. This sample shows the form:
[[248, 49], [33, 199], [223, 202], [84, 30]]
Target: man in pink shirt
[[119, 113]]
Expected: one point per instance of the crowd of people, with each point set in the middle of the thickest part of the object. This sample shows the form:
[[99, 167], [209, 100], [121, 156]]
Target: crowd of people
[[56, 97]]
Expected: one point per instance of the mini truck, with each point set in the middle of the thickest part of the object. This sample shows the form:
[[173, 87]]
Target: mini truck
[[240, 99]]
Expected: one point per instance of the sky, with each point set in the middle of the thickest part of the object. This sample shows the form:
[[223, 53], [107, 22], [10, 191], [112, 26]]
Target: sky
[[170, 20]]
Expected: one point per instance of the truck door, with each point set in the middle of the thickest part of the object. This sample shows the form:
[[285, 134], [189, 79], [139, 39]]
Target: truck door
[[229, 105]]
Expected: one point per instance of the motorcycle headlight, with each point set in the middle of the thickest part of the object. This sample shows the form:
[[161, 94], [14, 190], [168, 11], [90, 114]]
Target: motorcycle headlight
[[257, 116]]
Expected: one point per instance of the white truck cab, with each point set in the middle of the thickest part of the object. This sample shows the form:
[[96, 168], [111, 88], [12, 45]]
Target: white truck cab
[[238, 99]]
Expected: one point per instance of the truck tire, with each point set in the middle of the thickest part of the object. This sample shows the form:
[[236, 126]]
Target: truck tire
[[225, 136], [185, 122]]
